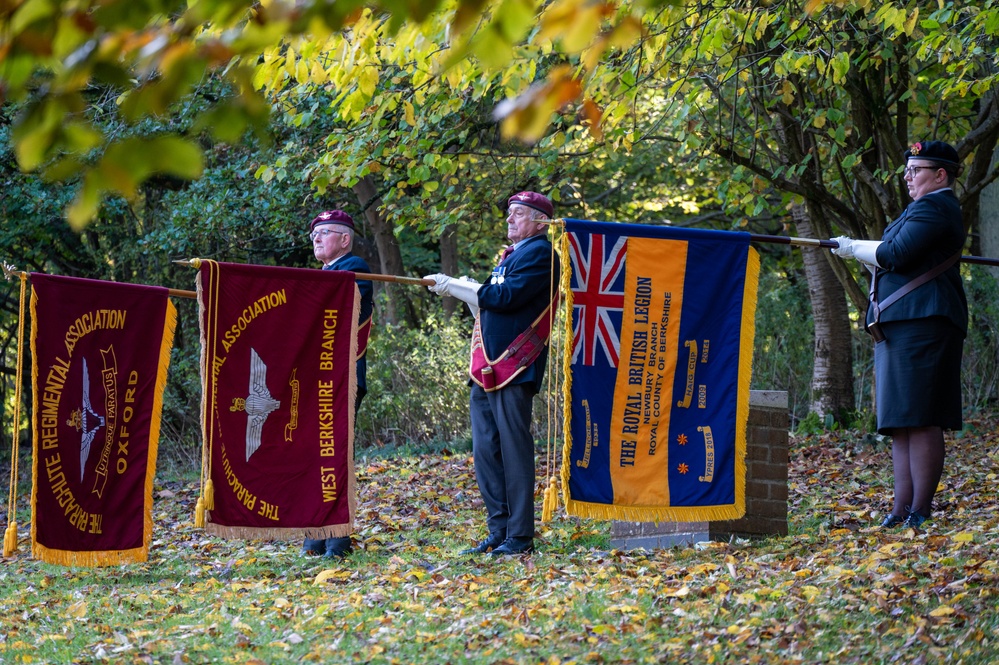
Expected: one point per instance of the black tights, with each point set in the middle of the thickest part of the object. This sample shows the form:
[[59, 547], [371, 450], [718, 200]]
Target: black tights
[[918, 457]]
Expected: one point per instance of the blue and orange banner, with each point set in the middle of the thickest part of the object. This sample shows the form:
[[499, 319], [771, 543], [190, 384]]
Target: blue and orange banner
[[100, 353], [279, 382], [657, 371]]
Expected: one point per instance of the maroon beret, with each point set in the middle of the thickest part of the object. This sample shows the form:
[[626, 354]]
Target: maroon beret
[[539, 202], [332, 217], [934, 151]]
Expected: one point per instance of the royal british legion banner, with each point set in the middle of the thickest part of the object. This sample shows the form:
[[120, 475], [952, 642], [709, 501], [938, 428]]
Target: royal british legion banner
[[657, 371], [100, 353], [278, 373]]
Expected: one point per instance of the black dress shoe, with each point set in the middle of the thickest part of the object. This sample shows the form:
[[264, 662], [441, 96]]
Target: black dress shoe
[[314, 547], [338, 548], [914, 520], [892, 521], [514, 546], [490, 543]]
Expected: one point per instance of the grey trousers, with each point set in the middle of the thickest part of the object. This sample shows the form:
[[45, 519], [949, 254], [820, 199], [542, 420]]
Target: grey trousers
[[503, 451]]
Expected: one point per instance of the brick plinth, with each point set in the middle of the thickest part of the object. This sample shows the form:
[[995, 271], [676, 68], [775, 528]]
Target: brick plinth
[[766, 487]]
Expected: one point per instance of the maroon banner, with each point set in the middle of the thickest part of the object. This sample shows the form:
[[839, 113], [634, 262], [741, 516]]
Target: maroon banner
[[278, 369], [100, 354]]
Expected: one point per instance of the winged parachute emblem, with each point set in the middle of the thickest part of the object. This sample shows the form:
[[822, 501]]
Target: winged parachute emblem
[[258, 404], [86, 421]]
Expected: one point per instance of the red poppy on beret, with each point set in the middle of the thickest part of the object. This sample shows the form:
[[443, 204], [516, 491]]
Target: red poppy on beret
[[539, 202], [332, 217]]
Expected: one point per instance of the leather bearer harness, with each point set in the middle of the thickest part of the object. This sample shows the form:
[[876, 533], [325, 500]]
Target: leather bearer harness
[[875, 328], [491, 374]]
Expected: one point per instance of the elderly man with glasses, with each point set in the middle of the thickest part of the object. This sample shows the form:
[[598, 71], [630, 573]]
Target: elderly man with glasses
[[332, 236], [918, 316], [508, 355]]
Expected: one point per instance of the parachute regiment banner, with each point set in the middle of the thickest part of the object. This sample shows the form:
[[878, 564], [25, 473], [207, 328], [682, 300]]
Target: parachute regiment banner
[[658, 370], [278, 371], [100, 353]]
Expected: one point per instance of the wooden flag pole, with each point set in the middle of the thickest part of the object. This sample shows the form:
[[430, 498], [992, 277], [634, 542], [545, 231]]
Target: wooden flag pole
[[374, 277]]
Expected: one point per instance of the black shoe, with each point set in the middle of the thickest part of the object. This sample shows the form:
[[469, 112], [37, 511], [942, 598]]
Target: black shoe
[[314, 547], [892, 521], [914, 520], [338, 548], [492, 542], [514, 546]]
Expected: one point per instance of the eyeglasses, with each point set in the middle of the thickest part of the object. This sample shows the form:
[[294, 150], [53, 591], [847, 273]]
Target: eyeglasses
[[912, 170], [322, 233]]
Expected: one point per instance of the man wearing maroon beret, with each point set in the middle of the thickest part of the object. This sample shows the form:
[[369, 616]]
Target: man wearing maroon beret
[[511, 307], [332, 236]]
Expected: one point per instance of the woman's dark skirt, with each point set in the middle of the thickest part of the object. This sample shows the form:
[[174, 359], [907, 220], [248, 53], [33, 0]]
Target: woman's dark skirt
[[917, 373]]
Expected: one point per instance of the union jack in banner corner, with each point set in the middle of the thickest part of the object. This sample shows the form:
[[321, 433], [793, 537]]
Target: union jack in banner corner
[[597, 296]]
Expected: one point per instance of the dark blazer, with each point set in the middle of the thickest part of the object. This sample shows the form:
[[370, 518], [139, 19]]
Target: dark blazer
[[510, 305], [356, 264], [927, 233]]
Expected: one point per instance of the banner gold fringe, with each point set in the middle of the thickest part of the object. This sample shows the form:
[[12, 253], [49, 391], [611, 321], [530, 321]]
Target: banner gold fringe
[[206, 328], [288, 533], [565, 285], [670, 513], [10, 535]]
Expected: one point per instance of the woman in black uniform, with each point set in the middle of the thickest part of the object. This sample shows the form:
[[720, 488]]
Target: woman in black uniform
[[917, 364]]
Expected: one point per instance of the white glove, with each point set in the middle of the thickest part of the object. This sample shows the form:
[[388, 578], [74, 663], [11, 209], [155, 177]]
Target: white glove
[[845, 249], [440, 284], [464, 289], [864, 251]]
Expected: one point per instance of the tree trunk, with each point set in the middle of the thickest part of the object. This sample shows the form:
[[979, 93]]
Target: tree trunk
[[832, 372], [988, 220], [389, 256]]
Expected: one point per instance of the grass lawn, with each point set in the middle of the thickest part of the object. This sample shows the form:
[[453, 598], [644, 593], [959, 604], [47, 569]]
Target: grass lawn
[[835, 590]]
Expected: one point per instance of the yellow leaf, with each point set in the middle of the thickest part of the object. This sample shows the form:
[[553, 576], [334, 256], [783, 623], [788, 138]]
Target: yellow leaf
[[810, 592], [942, 611], [410, 113], [77, 610], [678, 593], [330, 575], [965, 537], [582, 30], [367, 80]]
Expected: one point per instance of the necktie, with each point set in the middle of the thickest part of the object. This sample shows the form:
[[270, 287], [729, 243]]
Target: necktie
[[507, 251]]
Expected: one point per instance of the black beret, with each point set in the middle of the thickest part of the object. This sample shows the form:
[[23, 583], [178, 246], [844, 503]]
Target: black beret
[[934, 151]]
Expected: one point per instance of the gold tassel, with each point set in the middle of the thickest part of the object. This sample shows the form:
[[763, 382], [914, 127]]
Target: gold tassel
[[551, 501], [209, 495], [10, 539], [199, 514]]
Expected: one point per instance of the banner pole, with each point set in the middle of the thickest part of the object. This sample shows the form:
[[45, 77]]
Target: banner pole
[[812, 242], [373, 277]]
